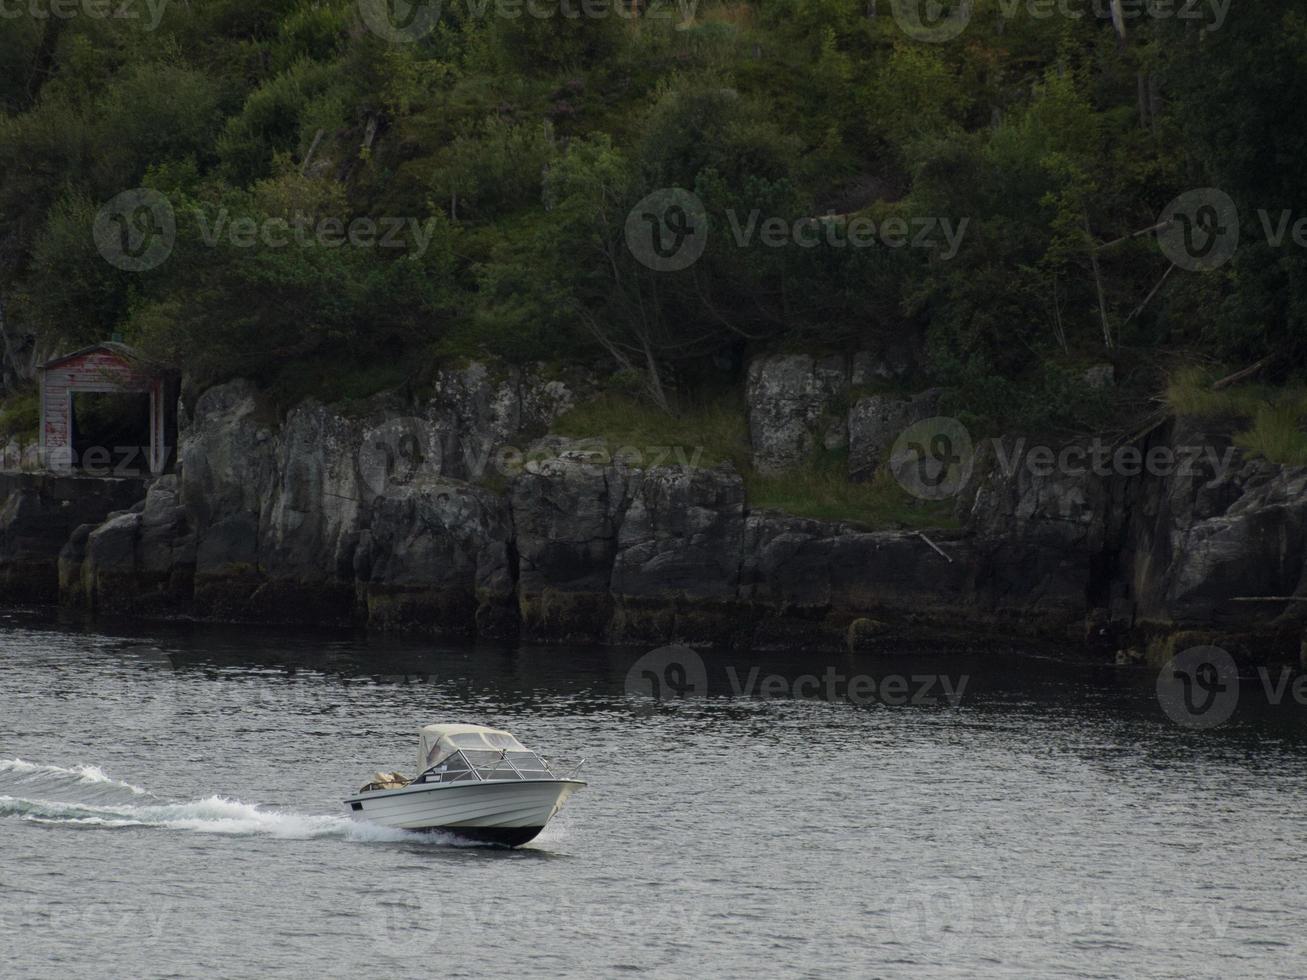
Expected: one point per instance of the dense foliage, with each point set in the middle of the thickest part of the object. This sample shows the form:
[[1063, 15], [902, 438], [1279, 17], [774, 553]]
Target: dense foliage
[[510, 150]]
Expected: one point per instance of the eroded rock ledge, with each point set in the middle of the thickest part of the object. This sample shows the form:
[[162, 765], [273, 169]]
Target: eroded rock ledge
[[455, 517]]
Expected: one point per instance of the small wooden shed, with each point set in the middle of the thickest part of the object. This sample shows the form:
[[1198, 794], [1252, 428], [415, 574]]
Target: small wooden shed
[[109, 367]]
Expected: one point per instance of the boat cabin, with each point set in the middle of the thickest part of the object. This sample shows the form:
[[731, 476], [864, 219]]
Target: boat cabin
[[470, 753]]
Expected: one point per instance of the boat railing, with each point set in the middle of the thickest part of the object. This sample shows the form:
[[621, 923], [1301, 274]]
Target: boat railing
[[573, 772], [500, 768]]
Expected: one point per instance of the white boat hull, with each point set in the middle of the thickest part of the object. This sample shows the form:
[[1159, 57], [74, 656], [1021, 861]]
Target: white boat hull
[[507, 812]]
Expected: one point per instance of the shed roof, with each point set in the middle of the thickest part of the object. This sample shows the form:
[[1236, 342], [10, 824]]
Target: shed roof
[[109, 346]]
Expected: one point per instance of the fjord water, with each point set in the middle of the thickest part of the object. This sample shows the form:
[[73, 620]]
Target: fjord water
[[170, 807]]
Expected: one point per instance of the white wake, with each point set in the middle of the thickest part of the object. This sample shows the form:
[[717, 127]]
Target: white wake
[[21, 796]]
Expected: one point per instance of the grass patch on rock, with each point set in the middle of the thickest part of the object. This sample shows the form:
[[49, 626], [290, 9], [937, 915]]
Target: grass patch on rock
[[718, 430], [1274, 420], [823, 492]]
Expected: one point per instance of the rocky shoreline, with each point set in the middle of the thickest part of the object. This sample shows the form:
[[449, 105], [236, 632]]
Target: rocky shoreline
[[460, 516]]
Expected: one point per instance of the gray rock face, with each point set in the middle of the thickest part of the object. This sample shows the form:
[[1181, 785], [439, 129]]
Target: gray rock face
[[793, 407], [888, 365], [609, 553], [1037, 536], [363, 519], [483, 411], [437, 557], [1218, 528], [682, 533], [1100, 376], [797, 403], [323, 518], [876, 421], [38, 514]]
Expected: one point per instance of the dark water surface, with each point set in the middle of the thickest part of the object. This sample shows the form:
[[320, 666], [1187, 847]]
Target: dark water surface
[[170, 807]]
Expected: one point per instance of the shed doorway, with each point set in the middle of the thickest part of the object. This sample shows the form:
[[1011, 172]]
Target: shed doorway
[[111, 432]]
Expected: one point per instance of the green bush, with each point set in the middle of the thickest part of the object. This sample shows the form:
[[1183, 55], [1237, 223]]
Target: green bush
[[20, 415]]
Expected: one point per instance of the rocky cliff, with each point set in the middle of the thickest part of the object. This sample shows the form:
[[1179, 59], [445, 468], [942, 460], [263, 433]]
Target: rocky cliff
[[461, 516]]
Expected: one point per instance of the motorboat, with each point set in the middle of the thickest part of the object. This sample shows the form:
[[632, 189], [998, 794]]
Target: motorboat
[[478, 783]]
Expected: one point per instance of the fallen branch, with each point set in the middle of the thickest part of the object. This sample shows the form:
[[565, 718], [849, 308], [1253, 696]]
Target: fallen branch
[[1247, 372], [308, 157], [938, 549], [1148, 299]]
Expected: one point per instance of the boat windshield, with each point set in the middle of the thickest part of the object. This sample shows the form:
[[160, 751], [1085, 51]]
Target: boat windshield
[[486, 764]]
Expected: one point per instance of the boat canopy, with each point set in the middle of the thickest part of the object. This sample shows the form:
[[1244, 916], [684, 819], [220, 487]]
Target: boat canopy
[[438, 742]]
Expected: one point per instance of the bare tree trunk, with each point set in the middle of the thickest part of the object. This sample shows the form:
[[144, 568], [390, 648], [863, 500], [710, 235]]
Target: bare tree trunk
[[655, 382], [1098, 282], [1118, 21], [308, 157], [43, 66], [10, 365]]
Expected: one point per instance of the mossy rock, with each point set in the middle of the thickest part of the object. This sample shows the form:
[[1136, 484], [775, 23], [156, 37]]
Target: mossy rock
[[864, 635]]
